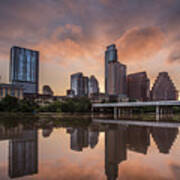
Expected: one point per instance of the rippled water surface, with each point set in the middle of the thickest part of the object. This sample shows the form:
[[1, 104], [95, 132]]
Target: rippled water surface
[[92, 151]]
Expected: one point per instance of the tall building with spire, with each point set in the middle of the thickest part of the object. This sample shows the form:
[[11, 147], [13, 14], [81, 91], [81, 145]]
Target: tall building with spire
[[115, 73]]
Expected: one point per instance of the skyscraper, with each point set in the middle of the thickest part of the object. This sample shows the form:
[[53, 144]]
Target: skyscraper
[[83, 86], [77, 84], [138, 86], [24, 69], [93, 86], [116, 80], [115, 73], [110, 56], [164, 88]]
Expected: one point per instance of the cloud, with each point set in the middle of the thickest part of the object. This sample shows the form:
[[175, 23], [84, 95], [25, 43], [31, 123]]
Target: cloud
[[174, 56], [74, 34], [140, 43]]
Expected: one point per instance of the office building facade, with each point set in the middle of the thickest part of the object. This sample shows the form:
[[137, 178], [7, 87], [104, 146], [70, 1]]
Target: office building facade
[[115, 73], [116, 80], [93, 86], [110, 56], [164, 88], [85, 86], [77, 84], [82, 85], [138, 86], [24, 69]]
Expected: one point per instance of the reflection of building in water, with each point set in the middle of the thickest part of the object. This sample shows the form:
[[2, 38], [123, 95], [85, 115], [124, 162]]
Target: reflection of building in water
[[138, 139], [82, 138], [23, 154], [115, 150], [79, 139], [10, 133], [93, 138], [47, 132], [164, 138]]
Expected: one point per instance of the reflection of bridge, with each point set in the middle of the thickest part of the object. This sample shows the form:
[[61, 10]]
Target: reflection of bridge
[[138, 123], [119, 139], [162, 107]]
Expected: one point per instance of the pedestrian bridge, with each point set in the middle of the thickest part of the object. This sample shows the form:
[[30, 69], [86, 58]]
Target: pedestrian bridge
[[162, 107], [137, 104]]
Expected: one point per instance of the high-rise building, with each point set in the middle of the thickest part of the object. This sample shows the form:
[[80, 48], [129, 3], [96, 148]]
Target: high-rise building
[[116, 80], [77, 84], [83, 86], [24, 69], [110, 56], [93, 86], [115, 73], [164, 88], [138, 85]]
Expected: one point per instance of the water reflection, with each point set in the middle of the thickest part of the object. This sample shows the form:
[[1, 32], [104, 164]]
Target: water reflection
[[118, 140], [23, 154], [82, 138]]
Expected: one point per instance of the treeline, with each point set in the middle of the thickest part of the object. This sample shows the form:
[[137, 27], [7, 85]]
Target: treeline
[[12, 104]]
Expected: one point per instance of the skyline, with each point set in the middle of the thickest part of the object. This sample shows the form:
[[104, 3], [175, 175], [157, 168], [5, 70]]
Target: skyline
[[72, 37]]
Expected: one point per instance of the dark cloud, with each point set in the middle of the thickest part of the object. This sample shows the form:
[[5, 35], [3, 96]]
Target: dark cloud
[[78, 31]]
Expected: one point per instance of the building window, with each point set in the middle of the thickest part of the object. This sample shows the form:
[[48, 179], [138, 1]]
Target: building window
[[12, 92]]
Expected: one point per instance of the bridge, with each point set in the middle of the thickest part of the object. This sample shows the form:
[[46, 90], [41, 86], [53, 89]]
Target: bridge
[[162, 107]]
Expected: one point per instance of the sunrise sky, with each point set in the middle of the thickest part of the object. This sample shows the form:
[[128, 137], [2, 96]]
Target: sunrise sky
[[72, 36]]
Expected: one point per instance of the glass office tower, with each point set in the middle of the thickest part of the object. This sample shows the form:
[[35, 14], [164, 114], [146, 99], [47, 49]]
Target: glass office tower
[[24, 69], [110, 56]]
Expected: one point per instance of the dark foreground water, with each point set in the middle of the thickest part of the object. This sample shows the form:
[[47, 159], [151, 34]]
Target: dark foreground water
[[92, 151]]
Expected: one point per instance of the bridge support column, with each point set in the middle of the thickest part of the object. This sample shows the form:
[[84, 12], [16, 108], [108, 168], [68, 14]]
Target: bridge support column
[[119, 112], [157, 113], [92, 112], [115, 112]]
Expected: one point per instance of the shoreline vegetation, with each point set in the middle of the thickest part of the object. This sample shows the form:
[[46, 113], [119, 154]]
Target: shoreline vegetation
[[80, 105], [12, 104]]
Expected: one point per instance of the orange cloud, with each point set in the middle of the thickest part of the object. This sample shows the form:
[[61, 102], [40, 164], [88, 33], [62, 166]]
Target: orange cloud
[[140, 43]]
